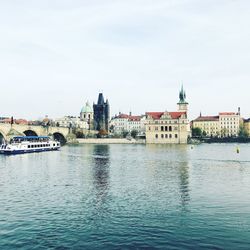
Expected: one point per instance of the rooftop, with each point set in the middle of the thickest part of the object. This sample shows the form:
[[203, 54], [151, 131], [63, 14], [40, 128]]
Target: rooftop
[[158, 115], [129, 117], [207, 118], [227, 113]]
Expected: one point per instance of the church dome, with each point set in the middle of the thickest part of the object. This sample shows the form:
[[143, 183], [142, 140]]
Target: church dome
[[87, 108]]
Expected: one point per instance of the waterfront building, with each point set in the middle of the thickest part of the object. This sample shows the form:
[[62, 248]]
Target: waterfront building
[[101, 114], [14, 121], [226, 124], [87, 115], [3, 118], [169, 127], [229, 123], [128, 122], [209, 125], [71, 122]]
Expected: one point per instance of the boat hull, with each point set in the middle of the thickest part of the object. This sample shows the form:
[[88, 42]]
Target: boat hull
[[21, 151]]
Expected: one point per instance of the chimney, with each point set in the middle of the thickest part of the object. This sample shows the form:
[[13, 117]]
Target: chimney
[[238, 110], [130, 113]]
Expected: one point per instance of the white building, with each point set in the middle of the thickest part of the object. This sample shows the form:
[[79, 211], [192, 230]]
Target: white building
[[226, 124], [124, 122], [71, 121], [229, 123], [169, 127]]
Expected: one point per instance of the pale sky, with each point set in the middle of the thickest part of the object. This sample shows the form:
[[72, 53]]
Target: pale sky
[[57, 54]]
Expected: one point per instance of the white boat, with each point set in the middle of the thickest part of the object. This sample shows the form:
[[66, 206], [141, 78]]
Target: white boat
[[29, 144]]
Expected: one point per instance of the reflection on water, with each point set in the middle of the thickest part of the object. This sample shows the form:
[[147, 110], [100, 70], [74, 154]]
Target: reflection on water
[[126, 197], [101, 164], [175, 158], [184, 183]]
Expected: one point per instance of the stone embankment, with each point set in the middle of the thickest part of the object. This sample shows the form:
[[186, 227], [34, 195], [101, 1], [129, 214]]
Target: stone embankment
[[109, 141]]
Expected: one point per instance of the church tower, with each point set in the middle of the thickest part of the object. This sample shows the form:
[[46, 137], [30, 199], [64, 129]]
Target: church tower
[[182, 104], [87, 115]]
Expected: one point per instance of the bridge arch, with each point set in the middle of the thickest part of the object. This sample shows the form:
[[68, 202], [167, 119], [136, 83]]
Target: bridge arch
[[30, 132], [2, 137], [59, 137]]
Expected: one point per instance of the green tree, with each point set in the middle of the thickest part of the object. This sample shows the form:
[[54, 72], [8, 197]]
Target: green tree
[[124, 133], [204, 133], [196, 132], [134, 133], [243, 132], [224, 132]]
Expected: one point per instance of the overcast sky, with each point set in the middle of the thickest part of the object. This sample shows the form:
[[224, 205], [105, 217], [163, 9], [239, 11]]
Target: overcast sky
[[57, 54]]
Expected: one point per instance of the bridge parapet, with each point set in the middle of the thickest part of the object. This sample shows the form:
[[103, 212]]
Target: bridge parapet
[[7, 131]]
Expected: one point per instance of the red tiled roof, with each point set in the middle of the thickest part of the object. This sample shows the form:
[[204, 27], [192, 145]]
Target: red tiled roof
[[207, 118], [8, 120], [123, 116], [158, 115], [21, 121], [134, 118], [227, 113], [130, 117], [155, 115], [176, 115]]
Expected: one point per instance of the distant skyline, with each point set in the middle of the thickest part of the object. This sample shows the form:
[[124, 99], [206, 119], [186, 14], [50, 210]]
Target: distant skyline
[[57, 54]]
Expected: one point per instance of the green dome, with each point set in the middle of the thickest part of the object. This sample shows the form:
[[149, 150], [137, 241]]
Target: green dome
[[87, 108]]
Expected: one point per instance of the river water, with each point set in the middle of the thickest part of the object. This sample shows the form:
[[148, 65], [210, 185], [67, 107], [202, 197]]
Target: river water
[[127, 197]]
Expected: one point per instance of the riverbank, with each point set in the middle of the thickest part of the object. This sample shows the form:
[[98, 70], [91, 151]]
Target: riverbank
[[226, 140], [109, 141]]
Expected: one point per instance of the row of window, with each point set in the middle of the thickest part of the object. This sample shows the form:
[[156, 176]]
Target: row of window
[[164, 128], [161, 122], [229, 119], [41, 145], [166, 136], [229, 122]]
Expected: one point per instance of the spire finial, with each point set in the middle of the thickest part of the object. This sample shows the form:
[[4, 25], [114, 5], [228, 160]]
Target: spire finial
[[182, 94]]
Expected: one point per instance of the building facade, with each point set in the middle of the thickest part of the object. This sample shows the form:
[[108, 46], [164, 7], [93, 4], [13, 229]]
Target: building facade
[[101, 114], [87, 115], [226, 124], [169, 127], [209, 125], [71, 122], [128, 123]]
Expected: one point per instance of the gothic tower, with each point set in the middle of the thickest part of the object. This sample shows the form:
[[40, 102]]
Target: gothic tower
[[101, 114], [182, 104]]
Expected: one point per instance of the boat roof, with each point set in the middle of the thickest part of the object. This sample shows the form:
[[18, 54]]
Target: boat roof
[[31, 137]]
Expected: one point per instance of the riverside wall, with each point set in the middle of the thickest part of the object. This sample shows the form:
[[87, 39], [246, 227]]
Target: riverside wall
[[109, 141]]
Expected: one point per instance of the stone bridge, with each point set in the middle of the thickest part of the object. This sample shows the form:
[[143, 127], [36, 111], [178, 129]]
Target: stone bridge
[[59, 133]]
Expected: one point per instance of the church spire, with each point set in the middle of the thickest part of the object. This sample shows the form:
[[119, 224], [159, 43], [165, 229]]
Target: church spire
[[182, 104], [100, 99], [182, 95]]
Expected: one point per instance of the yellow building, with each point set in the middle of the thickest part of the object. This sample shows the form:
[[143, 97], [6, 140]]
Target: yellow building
[[209, 125], [226, 124], [169, 127]]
